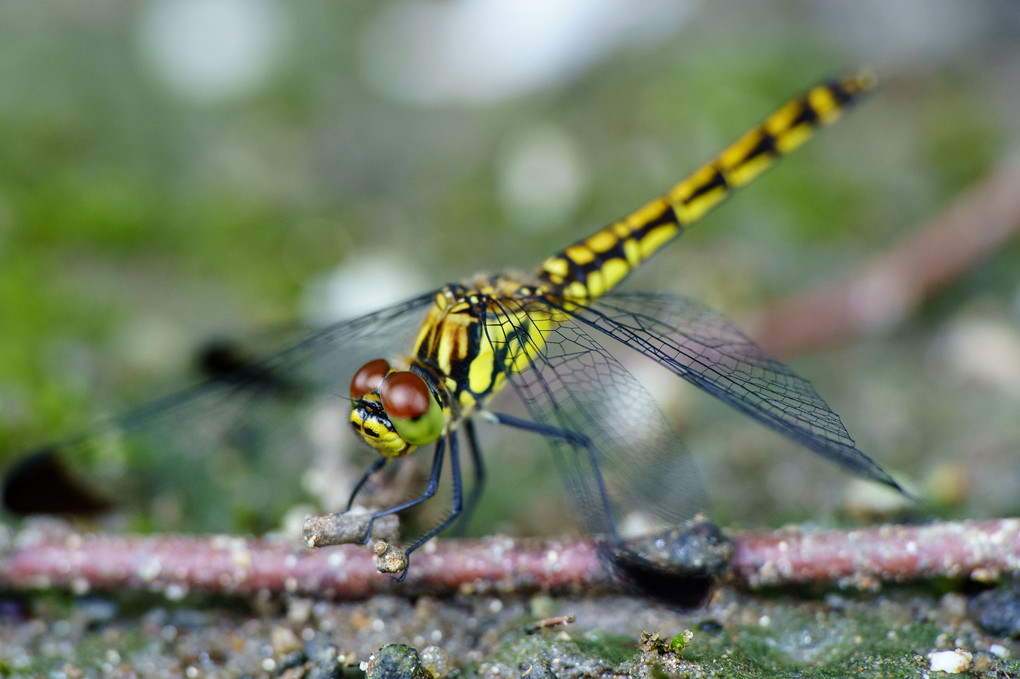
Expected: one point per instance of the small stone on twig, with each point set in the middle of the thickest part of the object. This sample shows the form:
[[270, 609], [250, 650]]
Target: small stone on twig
[[389, 558]]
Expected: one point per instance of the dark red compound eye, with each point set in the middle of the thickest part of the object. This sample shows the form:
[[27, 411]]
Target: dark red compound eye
[[405, 395], [369, 377]]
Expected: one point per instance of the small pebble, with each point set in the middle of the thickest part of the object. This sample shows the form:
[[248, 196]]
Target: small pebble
[[998, 611], [396, 661], [299, 610], [436, 661], [950, 662], [537, 669], [284, 640]]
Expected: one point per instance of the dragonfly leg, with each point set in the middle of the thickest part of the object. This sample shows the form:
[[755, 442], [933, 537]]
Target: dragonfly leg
[[574, 439], [479, 484], [378, 464], [430, 489], [455, 510]]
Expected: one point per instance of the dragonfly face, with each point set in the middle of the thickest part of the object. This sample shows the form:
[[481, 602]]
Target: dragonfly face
[[395, 411]]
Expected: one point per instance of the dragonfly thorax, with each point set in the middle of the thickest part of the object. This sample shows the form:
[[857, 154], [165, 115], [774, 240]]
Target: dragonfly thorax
[[398, 407], [481, 332]]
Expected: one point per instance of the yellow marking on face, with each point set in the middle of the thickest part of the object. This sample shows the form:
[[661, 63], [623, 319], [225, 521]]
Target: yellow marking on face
[[383, 440]]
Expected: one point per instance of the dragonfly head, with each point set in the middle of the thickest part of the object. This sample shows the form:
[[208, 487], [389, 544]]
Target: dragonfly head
[[395, 411]]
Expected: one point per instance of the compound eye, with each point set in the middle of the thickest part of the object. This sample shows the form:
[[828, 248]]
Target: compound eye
[[369, 377], [405, 396], [413, 410]]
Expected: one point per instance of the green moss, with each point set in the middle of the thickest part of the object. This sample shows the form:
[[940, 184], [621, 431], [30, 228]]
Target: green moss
[[615, 648]]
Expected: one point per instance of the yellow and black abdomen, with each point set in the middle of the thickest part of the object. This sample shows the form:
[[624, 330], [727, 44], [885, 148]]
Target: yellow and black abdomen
[[593, 266], [480, 332]]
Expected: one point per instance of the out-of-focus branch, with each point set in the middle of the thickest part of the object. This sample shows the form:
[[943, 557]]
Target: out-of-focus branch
[[867, 557], [884, 291], [234, 565]]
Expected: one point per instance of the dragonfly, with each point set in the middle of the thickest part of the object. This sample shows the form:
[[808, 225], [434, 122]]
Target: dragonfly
[[423, 372]]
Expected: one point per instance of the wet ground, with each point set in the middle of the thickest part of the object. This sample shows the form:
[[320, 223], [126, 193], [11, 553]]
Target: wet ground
[[834, 634]]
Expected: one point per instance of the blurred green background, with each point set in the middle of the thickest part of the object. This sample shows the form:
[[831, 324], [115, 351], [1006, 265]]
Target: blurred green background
[[174, 170]]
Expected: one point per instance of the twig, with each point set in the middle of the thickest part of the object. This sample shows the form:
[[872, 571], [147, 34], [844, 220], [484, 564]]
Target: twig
[[222, 564], [549, 623], [866, 557], [980, 550], [889, 287]]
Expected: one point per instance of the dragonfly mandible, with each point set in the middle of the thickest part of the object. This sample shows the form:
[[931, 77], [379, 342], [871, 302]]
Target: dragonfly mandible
[[431, 366]]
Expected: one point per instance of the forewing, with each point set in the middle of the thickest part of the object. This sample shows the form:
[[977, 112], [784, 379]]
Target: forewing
[[232, 451], [710, 352], [576, 386]]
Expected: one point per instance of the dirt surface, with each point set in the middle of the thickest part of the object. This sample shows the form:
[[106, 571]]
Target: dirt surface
[[888, 634]]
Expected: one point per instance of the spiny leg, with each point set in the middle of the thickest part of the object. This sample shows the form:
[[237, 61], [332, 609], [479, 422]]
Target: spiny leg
[[430, 489], [479, 484], [378, 464], [455, 510], [577, 440]]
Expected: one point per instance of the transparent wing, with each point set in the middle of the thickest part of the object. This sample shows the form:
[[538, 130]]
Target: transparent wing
[[576, 386], [232, 451], [710, 352]]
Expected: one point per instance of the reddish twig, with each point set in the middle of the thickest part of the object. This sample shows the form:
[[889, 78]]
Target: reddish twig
[[884, 291], [179, 564], [866, 557], [980, 550]]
